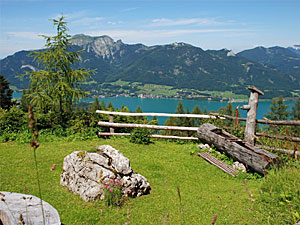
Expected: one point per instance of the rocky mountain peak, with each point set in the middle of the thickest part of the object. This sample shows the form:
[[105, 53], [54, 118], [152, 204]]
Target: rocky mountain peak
[[103, 46]]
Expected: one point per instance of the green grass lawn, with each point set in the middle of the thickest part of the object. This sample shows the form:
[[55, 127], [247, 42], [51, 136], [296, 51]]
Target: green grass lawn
[[205, 190]]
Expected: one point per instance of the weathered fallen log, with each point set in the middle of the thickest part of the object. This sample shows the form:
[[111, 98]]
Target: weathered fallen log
[[255, 158]]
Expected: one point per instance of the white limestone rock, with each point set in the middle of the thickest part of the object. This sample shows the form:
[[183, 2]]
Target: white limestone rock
[[12, 205], [84, 173], [239, 166], [205, 147]]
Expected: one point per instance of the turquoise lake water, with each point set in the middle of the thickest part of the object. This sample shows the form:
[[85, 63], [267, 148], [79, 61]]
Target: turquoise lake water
[[160, 105], [169, 105]]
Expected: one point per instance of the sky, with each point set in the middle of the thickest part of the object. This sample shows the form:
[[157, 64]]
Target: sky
[[209, 24]]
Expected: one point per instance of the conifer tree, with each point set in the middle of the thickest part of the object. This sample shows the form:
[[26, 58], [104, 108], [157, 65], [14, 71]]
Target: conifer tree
[[154, 121], [296, 110], [25, 100], [278, 110], [196, 110], [110, 107], [180, 121], [103, 105], [56, 86], [5, 93], [95, 106], [139, 110]]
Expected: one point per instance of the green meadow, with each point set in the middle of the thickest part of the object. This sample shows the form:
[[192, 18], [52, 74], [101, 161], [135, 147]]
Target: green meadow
[[169, 167]]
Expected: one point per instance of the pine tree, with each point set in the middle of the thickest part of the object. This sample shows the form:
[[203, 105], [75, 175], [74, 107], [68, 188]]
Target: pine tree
[[25, 100], [110, 107], [180, 121], [196, 110], [103, 105], [278, 110], [95, 106], [227, 110], [154, 121], [57, 85], [5, 93], [296, 110], [139, 118]]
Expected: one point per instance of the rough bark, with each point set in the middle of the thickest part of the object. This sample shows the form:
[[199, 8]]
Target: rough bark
[[255, 158], [251, 114]]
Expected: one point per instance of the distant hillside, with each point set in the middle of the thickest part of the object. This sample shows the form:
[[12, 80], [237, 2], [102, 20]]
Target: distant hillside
[[284, 59], [295, 48], [178, 65]]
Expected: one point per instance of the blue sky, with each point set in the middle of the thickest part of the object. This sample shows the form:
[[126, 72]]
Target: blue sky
[[214, 24]]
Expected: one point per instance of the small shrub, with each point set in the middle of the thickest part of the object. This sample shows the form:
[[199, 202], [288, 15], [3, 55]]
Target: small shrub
[[59, 131], [12, 120], [140, 136], [113, 192], [24, 137]]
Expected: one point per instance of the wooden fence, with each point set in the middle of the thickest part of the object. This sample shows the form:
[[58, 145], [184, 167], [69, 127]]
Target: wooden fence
[[249, 134], [113, 125]]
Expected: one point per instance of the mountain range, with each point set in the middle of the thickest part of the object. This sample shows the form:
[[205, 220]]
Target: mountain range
[[275, 70]]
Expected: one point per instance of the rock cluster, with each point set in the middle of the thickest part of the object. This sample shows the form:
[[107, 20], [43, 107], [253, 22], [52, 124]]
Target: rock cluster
[[16, 208], [204, 147], [85, 173], [236, 165], [239, 166]]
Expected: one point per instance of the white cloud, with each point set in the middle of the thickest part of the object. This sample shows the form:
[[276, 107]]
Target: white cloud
[[128, 9], [87, 21], [25, 35], [8, 47], [189, 21], [73, 15], [111, 23], [147, 36]]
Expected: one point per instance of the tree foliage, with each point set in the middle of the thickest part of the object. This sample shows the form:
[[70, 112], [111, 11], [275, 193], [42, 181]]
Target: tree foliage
[[278, 110], [57, 85], [296, 110], [5, 93]]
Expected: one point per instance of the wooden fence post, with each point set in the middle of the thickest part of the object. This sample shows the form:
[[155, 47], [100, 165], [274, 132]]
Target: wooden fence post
[[111, 120], [251, 114]]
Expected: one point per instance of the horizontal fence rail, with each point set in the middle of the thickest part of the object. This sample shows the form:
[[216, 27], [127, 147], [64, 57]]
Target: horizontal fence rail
[[153, 136], [285, 151], [270, 122], [113, 125], [287, 138], [160, 114], [155, 127]]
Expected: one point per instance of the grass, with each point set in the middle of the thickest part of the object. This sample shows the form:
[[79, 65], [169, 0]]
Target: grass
[[227, 94], [205, 190], [155, 89]]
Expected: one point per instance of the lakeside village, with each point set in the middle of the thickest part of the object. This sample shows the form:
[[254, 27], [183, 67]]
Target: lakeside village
[[182, 94]]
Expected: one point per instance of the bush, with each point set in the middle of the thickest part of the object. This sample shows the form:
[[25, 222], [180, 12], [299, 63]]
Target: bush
[[13, 120], [140, 136]]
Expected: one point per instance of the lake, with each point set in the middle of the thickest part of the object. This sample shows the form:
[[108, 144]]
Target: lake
[[169, 105], [162, 105]]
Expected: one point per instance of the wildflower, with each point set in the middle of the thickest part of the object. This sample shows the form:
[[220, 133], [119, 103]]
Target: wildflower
[[113, 192]]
